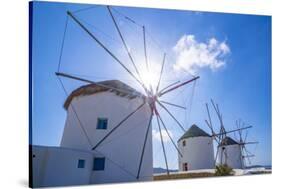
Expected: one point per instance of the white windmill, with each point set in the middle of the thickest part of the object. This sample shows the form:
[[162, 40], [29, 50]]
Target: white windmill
[[228, 151], [246, 155], [196, 147], [100, 112]]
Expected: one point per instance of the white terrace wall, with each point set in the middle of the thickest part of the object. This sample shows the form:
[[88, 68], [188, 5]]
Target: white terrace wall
[[122, 149], [55, 166], [198, 153]]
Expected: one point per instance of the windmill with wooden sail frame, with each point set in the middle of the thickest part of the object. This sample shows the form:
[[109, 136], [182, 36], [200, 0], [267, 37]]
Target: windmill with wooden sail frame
[[153, 95], [246, 155], [221, 138]]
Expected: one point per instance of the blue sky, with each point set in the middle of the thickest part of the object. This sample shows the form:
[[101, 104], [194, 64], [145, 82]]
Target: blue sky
[[235, 71]]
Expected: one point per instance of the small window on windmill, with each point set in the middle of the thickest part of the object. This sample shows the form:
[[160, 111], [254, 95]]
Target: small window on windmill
[[183, 143], [81, 163], [102, 123], [99, 163], [185, 166]]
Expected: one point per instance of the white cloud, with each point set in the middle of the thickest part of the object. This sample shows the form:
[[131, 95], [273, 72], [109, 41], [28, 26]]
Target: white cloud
[[192, 55], [156, 135]]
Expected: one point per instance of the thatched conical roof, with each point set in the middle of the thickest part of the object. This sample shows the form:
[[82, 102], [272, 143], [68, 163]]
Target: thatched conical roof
[[116, 86]]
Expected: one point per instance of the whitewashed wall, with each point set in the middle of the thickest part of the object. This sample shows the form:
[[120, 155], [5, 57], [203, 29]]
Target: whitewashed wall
[[55, 166], [232, 157], [198, 153], [123, 148]]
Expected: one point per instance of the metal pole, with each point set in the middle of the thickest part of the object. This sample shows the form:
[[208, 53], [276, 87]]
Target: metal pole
[[163, 147], [177, 86], [104, 47], [172, 116], [118, 125], [123, 41], [171, 104], [162, 68], [169, 135], [143, 148]]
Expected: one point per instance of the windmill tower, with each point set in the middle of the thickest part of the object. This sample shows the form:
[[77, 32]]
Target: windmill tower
[[228, 150], [94, 107], [230, 153], [196, 147], [221, 135], [234, 153], [112, 120], [246, 155]]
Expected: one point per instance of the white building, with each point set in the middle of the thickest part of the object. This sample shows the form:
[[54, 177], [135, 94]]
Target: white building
[[92, 112], [196, 147], [230, 153], [56, 166]]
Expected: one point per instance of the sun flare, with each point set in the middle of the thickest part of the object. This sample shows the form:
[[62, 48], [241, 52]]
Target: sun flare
[[150, 76]]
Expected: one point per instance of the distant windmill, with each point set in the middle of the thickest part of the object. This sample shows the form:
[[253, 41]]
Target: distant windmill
[[221, 138], [245, 153], [152, 95]]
